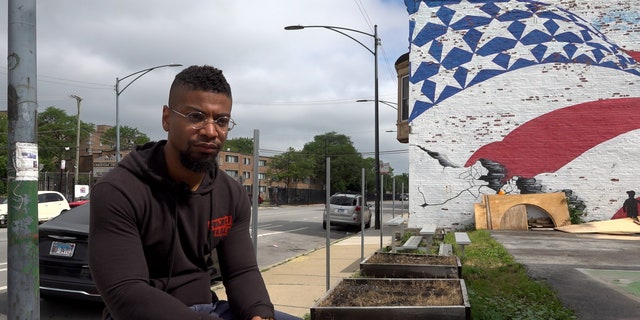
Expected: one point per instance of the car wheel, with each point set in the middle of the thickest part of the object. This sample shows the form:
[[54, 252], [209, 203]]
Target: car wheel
[[324, 225], [368, 224]]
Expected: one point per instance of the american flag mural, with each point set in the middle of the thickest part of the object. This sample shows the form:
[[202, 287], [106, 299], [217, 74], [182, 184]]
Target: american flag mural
[[524, 97]]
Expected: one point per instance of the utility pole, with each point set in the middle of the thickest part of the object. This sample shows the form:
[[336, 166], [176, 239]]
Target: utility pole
[[23, 277], [77, 164]]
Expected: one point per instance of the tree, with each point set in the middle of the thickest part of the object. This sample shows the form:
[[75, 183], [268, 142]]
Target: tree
[[402, 180], [57, 137], [290, 166], [346, 161], [129, 137], [370, 175], [240, 145]]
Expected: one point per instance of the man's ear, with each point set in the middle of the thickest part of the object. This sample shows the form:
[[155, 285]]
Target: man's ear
[[165, 118]]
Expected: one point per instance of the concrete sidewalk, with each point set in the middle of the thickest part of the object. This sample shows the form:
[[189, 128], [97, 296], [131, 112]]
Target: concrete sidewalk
[[296, 284]]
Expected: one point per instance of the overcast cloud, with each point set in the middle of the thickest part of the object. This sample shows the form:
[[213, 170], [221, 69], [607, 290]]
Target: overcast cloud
[[290, 85]]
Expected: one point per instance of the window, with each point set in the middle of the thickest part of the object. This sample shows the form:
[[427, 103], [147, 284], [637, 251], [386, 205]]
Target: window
[[232, 173], [246, 174], [405, 99], [246, 161], [262, 163], [49, 197], [231, 159]]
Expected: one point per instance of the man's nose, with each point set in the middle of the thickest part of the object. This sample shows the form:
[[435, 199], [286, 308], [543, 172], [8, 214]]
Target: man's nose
[[210, 129]]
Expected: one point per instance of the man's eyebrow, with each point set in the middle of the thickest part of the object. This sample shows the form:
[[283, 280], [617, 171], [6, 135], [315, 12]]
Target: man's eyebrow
[[193, 108], [197, 109]]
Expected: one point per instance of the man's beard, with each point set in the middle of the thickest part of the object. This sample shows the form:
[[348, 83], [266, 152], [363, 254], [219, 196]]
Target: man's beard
[[197, 165]]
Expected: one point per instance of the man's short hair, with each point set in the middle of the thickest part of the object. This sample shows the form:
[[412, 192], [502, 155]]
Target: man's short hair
[[202, 78]]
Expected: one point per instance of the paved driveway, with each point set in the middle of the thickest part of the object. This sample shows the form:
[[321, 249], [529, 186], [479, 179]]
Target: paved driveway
[[596, 275]]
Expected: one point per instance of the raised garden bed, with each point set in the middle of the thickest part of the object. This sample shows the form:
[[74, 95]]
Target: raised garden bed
[[404, 265], [394, 299]]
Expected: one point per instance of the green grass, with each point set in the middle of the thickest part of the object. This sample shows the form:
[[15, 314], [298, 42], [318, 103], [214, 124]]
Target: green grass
[[499, 288]]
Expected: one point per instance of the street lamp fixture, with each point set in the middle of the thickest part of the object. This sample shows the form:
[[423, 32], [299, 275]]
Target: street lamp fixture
[[374, 51], [119, 91]]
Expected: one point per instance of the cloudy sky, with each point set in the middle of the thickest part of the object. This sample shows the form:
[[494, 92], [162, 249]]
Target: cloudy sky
[[290, 85]]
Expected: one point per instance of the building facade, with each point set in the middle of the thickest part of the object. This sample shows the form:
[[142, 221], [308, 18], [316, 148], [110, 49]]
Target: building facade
[[240, 167], [521, 97]]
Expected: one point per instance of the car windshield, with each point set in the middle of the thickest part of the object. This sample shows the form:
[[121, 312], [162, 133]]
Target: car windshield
[[343, 201]]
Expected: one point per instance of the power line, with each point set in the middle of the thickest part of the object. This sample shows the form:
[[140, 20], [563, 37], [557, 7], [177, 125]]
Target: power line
[[389, 66], [69, 82]]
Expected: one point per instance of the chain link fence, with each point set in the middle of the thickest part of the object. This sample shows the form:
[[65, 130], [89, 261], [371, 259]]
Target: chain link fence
[[63, 182]]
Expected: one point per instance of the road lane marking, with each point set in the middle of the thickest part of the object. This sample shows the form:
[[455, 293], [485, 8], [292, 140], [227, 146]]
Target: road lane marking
[[279, 232]]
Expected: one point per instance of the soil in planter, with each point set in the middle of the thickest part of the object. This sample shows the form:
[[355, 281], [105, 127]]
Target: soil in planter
[[412, 259], [388, 293]]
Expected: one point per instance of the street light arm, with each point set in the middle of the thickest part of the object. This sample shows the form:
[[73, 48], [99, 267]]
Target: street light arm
[[118, 92], [140, 74], [389, 103], [338, 30]]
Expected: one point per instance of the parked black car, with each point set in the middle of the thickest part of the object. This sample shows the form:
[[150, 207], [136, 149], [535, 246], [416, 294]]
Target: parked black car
[[64, 260]]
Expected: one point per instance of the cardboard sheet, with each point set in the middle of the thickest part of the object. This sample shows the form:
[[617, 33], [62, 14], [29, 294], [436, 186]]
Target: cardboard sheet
[[615, 226]]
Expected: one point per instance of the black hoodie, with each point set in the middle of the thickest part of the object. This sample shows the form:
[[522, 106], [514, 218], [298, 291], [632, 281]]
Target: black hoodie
[[149, 240]]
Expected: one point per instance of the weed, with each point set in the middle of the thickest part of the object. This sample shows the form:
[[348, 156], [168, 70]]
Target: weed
[[499, 288]]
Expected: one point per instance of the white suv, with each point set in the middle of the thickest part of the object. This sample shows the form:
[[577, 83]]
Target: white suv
[[347, 209], [50, 204]]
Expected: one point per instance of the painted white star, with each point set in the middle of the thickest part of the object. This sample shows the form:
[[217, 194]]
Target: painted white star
[[521, 51], [555, 47], [423, 97], [443, 79], [479, 63]]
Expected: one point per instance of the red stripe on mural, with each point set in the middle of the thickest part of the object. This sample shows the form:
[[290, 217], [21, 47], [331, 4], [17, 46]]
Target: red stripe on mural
[[634, 54], [548, 142]]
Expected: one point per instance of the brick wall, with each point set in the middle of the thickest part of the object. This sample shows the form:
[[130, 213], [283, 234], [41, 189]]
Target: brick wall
[[523, 97]]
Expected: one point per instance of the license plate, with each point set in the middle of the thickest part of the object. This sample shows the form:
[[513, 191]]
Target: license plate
[[62, 249], [342, 210]]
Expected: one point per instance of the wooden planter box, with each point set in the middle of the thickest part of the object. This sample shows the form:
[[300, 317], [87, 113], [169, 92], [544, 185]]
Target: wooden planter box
[[404, 265], [394, 299]]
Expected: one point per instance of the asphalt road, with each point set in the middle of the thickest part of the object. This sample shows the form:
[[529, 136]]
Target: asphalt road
[[284, 232]]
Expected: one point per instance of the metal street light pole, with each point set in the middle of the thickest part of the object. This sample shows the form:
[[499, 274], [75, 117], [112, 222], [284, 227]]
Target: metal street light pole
[[376, 42], [77, 164], [119, 91]]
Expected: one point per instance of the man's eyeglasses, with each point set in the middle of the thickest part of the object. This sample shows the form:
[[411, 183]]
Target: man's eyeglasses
[[199, 120]]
